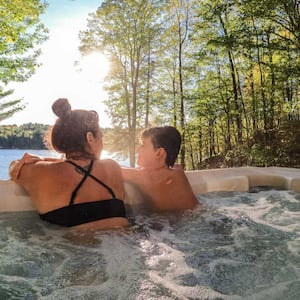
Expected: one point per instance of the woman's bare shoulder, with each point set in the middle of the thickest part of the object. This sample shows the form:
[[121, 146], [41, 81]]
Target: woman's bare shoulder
[[109, 165], [108, 161]]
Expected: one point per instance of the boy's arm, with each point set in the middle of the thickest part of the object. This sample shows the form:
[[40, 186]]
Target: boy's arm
[[128, 173]]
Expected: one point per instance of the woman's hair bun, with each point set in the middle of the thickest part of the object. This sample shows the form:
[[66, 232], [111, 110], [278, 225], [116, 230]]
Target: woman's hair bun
[[61, 107]]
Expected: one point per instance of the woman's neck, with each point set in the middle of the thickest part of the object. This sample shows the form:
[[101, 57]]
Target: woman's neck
[[80, 156]]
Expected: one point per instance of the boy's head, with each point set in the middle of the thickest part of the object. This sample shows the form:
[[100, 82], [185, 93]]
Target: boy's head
[[166, 137]]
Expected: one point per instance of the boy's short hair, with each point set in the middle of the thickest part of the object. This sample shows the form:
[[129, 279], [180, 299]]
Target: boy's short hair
[[166, 137]]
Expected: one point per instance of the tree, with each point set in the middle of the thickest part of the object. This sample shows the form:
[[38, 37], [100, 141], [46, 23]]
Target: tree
[[124, 31], [180, 16], [8, 108], [21, 33], [226, 73]]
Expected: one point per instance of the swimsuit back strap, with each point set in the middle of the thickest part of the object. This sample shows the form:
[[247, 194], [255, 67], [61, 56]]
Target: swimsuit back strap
[[87, 173]]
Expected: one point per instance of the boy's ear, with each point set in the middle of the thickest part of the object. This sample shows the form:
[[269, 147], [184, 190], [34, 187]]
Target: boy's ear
[[161, 152]]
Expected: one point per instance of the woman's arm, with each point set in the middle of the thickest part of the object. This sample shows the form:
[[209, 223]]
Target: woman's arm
[[15, 166]]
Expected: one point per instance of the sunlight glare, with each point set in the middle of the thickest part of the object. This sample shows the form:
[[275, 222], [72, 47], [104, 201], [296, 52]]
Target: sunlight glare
[[94, 66]]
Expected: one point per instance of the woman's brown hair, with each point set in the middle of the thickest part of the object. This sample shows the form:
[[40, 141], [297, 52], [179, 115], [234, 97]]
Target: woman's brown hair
[[68, 135]]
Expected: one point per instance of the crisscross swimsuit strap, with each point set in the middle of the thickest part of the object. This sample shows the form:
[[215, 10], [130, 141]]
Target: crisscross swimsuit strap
[[80, 213], [87, 174]]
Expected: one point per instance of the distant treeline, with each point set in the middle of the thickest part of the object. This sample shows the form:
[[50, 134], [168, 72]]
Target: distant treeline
[[280, 147], [27, 136]]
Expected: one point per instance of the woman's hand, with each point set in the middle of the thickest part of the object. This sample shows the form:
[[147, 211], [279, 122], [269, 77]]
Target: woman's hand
[[16, 166]]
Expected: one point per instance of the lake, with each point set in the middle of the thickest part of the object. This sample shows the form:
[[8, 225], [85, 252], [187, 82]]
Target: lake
[[8, 155]]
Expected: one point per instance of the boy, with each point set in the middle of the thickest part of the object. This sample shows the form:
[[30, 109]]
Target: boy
[[162, 186]]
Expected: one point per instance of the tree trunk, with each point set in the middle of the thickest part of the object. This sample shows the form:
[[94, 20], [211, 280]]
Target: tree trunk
[[238, 118]]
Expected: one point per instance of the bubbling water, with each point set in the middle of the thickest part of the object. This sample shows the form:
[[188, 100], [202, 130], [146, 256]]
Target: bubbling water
[[243, 246]]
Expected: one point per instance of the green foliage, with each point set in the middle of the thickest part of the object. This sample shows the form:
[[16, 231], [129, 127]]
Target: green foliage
[[277, 147], [8, 108], [21, 34], [21, 31], [125, 31], [27, 136], [226, 73]]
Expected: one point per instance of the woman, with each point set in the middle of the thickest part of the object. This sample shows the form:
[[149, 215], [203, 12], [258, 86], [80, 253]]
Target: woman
[[80, 190]]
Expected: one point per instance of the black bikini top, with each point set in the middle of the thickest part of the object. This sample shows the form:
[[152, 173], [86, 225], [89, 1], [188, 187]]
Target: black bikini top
[[81, 213]]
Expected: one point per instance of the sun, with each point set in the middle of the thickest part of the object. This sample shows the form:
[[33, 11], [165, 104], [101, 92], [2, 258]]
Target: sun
[[94, 66]]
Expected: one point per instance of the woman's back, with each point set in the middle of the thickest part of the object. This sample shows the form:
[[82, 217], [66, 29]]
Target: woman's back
[[57, 181]]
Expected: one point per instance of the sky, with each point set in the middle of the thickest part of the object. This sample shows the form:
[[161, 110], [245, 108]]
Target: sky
[[57, 77]]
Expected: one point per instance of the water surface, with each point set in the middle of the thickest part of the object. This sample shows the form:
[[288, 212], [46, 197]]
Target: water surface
[[244, 246]]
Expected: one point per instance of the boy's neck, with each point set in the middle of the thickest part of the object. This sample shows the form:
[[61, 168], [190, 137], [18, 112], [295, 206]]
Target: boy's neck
[[157, 167]]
